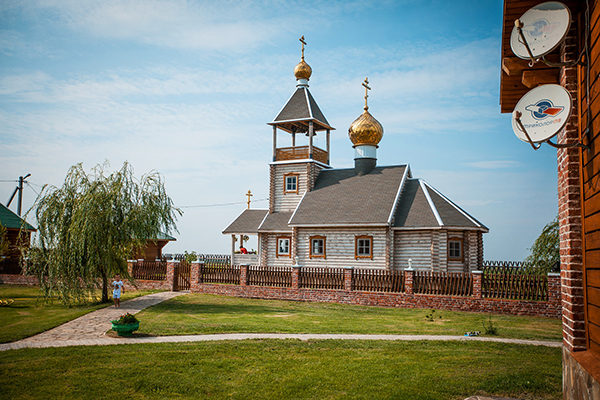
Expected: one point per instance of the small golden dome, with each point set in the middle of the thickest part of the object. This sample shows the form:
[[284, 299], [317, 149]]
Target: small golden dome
[[365, 130], [302, 70]]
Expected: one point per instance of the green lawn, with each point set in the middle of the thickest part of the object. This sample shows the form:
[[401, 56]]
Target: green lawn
[[31, 314], [283, 369], [202, 313]]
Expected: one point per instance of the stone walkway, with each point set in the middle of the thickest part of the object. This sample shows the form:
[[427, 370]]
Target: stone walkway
[[90, 329]]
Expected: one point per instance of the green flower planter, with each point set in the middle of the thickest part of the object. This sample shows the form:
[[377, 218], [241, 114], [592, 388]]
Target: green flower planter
[[125, 329]]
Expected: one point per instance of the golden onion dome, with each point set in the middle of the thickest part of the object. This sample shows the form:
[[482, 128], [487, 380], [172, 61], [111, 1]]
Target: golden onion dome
[[365, 130], [302, 70]]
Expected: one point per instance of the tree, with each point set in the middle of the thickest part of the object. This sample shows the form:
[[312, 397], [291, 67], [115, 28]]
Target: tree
[[92, 224], [545, 251]]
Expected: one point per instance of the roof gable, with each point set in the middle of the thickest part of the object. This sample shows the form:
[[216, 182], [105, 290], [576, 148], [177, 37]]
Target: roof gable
[[414, 210]]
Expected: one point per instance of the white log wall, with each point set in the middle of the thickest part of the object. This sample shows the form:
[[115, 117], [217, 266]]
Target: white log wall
[[340, 247], [271, 251], [289, 201], [414, 245]]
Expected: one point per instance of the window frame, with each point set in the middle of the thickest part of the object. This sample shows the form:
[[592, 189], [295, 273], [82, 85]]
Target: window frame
[[285, 186], [459, 240], [310, 248], [358, 256], [289, 253]]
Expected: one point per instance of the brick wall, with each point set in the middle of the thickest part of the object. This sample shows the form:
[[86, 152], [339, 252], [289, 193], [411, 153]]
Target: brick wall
[[569, 211]]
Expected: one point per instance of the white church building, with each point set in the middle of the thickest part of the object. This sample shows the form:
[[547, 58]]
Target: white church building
[[368, 216]]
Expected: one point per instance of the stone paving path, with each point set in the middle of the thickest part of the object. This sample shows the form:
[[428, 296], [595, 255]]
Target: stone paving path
[[90, 329]]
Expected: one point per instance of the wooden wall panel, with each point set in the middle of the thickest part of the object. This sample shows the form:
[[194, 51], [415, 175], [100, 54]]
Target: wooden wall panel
[[340, 247], [591, 185]]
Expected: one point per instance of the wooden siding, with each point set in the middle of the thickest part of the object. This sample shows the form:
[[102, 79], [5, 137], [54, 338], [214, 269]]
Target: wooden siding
[[271, 252], [590, 186], [307, 173], [416, 245], [457, 265], [340, 244], [428, 250]]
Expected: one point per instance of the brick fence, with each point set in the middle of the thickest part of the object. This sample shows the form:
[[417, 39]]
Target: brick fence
[[476, 302], [405, 298]]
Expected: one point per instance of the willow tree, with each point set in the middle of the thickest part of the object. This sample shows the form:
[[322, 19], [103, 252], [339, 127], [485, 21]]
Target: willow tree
[[92, 224], [545, 251]]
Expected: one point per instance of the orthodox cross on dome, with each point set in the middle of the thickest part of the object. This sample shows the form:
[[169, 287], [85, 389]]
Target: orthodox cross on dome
[[303, 44], [249, 194], [367, 88]]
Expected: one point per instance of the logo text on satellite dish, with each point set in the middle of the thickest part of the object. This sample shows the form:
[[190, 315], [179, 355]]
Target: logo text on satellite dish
[[540, 27]]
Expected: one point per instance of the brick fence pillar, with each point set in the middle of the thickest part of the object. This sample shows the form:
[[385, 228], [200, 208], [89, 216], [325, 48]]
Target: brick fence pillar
[[130, 264], [195, 275], [348, 278], [477, 278], [244, 274], [296, 276], [408, 280], [554, 294], [171, 273]]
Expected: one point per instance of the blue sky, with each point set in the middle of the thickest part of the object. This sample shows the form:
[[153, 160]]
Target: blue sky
[[187, 87]]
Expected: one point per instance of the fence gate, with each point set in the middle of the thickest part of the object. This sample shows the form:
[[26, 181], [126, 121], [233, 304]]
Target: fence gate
[[181, 276]]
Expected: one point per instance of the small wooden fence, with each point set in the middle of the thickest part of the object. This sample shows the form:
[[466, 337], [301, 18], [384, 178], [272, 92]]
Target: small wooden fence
[[150, 270], [378, 280], [272, 276], [182, 277], [212, 274], [443, 283], [515, 286], [321, 278]]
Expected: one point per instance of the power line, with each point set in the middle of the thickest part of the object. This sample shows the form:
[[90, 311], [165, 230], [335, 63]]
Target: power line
[[221, 204]]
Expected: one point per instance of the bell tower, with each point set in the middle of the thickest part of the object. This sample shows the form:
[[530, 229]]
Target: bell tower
[[294, 168]]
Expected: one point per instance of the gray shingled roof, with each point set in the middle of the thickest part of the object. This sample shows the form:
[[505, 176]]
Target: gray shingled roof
[[299, 110], [450, 213], [247, 222], [276, 222], [417, 211], [341, 197], [414, 210]]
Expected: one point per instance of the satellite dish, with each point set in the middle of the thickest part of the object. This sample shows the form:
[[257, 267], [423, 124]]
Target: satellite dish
[[544, 28], [542, 112]]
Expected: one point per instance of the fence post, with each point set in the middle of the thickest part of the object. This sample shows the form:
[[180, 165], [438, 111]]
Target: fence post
[[244, 274], [554, 292], [195, 275], [130, 267], [296, 276], [477, 279], [408, 278], [171, 274], [348, 278]]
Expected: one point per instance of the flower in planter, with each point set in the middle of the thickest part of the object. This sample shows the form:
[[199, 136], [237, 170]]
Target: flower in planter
[[126, 318]]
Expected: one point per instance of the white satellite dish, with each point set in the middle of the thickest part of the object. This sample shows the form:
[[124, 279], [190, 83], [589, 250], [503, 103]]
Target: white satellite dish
[[542, 113], [544, 28]]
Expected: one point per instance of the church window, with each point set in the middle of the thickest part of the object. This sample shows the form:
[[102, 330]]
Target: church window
[[317, 247], [455, 251], [290, 183], [283, 246], [363, 247]]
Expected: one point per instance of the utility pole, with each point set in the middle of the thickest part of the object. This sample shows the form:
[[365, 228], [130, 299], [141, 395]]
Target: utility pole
[[20, 190]]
